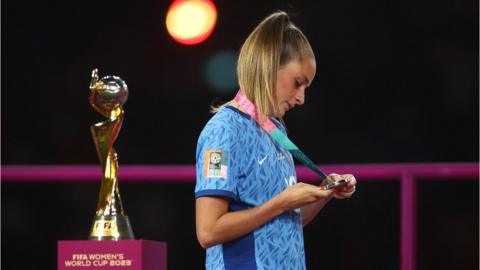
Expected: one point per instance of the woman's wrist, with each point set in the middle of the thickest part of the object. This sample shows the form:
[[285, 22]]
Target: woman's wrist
[[278, 204]]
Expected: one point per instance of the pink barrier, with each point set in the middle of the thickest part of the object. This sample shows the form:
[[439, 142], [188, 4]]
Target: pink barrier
[[408, 174], [186, 173]]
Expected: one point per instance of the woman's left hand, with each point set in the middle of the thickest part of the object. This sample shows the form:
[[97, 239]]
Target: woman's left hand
[[348, 190]]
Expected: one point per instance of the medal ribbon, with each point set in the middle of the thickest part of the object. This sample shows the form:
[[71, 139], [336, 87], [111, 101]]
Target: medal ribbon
[[280, 137]]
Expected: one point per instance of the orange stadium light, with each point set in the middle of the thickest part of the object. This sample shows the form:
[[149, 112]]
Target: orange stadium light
[[191, 22]]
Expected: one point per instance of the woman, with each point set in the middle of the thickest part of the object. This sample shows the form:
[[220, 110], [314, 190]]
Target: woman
[[249, 207]]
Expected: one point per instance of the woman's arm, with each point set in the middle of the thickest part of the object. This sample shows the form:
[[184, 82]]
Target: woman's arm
[[215, 224]]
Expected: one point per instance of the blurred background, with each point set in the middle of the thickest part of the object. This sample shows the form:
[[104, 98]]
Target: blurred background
[[396, 82]]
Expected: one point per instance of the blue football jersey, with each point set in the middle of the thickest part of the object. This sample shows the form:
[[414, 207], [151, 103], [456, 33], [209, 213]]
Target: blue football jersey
[[237, 159]]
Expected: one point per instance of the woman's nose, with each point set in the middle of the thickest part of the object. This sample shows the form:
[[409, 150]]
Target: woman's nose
[[300, 97]]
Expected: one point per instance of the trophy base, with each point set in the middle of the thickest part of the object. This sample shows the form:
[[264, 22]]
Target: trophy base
[[111, 228]]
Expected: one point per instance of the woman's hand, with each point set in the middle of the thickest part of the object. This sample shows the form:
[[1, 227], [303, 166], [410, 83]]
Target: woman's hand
[[301, 194], [347, 190]]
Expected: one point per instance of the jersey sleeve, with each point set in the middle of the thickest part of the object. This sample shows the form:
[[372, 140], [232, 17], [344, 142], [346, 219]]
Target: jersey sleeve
[[215, 158]]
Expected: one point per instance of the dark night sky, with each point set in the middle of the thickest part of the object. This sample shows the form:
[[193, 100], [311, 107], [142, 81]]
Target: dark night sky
[[396, 81]]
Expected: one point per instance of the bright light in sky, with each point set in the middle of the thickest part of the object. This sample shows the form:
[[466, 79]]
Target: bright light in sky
[[191, 21]]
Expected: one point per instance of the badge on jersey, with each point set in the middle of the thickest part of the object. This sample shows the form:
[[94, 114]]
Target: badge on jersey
[[215, 164]]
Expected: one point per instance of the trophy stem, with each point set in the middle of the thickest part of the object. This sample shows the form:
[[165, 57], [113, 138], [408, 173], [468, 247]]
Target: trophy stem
[[109, 227]]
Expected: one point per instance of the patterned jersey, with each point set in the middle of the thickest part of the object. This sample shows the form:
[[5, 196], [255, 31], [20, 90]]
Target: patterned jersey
[[237, 159]]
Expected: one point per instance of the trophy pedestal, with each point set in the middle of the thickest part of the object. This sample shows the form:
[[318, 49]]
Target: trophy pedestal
[[109, 255]]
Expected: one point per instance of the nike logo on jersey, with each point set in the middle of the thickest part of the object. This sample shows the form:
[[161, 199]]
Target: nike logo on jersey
[[260, 162]]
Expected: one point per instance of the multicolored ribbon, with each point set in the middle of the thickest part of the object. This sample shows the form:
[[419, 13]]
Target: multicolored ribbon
[[275, 133]]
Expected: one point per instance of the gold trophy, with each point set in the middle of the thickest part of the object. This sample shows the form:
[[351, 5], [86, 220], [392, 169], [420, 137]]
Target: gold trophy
[[107, 96]]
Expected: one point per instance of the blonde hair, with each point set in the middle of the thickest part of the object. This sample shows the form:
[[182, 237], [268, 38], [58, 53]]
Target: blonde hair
[[273, 43]]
